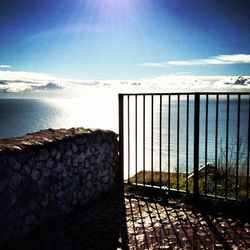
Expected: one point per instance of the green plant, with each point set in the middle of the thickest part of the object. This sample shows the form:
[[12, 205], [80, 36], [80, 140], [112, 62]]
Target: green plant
[[221, 180]]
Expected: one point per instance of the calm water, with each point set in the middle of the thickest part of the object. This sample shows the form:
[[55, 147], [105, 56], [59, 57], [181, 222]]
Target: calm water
[[21, 116], [183, 155]]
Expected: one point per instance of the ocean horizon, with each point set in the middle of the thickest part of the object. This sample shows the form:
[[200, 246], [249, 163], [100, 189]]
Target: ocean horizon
[[21, 116]]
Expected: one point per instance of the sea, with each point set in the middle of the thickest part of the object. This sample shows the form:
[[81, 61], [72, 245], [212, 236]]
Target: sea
[[172, 149], [22, 116]]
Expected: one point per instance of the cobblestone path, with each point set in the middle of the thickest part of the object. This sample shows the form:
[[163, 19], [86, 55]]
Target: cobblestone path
[[133, 223]]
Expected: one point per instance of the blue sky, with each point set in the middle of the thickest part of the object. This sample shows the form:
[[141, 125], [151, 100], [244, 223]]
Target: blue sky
[[125, 39]]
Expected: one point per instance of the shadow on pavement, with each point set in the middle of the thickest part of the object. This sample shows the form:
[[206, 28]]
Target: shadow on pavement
[[102, 226]]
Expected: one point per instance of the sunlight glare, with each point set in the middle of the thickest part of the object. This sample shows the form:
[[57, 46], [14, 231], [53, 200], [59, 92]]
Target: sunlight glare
[[87, 112]]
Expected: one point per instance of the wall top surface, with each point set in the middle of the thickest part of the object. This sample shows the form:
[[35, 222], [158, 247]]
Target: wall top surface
[[42, 137]]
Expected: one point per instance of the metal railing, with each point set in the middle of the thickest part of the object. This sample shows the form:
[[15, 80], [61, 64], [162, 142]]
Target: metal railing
[[196, 143]]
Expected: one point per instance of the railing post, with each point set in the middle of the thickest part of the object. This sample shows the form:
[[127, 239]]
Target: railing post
[[196, 143], [121, 139]]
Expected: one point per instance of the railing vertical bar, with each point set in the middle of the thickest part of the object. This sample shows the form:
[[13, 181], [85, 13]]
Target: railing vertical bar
[[196, 143], [128, 140], [178, 140], [169, 123], [143, 140], [152, 140], [136, 157], [227, 135], [238, 147], [216, 143], [160, 141], [248, 146], [206, 139], [187, 142], [121, 138]]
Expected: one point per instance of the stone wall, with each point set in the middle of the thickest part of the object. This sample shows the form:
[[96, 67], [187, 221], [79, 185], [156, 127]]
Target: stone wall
[[50, 173]]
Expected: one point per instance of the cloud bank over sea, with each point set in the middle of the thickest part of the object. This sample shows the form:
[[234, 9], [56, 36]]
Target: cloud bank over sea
[[36, 85]]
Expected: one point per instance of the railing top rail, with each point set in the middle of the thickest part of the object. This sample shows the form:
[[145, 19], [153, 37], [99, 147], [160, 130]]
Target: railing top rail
[[186, 93]]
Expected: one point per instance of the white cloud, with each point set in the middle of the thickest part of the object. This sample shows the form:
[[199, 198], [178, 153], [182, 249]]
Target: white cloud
[[20, 81], [28, 84], [22, 75], [48, 86], [3, 66], [192, 83], [214, 60]]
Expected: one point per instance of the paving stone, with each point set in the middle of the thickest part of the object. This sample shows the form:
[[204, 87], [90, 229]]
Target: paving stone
[[105, 225]]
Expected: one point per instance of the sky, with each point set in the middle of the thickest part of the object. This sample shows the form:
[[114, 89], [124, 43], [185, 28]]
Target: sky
[[100, 41]]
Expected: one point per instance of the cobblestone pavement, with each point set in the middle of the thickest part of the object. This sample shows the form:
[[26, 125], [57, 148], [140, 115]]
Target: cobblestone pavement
[[179, 226], [135, 223]]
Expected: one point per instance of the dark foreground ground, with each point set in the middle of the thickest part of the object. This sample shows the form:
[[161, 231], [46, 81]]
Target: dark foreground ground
[[130, 222]]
